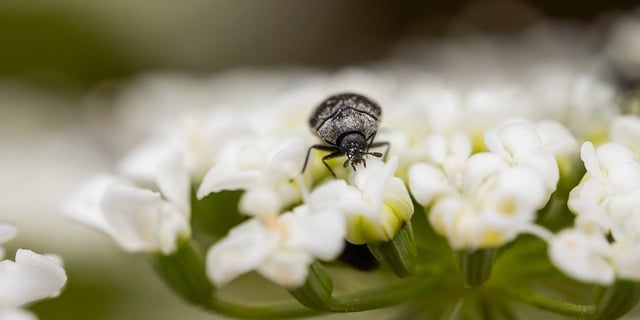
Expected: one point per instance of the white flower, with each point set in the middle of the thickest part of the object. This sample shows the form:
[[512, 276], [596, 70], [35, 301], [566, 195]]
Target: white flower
[[583, 256], [521, 143], [623, 47], [377, 205], [30, 278], [7, 232], [556, 138], [489, 198], [496, 204], [607, 201], [428, 182], [280, 248], [625, 130], [612, 173], [195, 140], [264, 169], [137, 219], [626, 258]]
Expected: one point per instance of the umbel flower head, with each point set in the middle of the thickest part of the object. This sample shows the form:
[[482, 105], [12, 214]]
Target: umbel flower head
[[484, 185]]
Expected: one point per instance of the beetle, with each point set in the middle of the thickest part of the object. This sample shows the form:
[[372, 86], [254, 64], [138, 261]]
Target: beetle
[[347, 124]]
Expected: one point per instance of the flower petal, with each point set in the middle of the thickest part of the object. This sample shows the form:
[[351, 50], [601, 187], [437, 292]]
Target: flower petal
[[140, 219], [582, 256], [16, 314], [427, 182], [84, 203], [7, 232], [288, 268], [227, 177], [30, 278], [321, 233], [245, 248], [173, 181]]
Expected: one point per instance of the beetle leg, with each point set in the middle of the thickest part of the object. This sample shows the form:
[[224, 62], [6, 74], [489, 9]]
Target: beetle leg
[[319, 147], [332, 155]]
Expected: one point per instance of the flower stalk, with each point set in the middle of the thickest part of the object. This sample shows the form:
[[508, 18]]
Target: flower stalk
[[616, 300], [398, 254], [476, 265], [316, 292], [184, 272]]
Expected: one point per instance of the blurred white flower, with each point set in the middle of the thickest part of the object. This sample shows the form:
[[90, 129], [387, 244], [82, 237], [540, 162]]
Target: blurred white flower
[[520, 143], [30, 278], [263, 168], [488, 198], [378, 204], [623, 47], [7, 232], [280, 248], [137, 219], [583, 256], [607, 202], [612, 172], [625, 130]]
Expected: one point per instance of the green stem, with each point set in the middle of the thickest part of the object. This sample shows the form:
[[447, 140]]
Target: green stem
[[475, 266], [382, 298], [554, 305], [280, 311], [184, 271], [398, 254]]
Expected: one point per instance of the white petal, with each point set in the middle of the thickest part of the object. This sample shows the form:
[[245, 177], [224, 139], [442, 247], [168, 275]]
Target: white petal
[[588, 156], [8, 231], [228, 177], [481, 167], [16, 314], [319, 233], [582, 256], [626, 259], [288, 268], [287, 159], [556, 138], [259, 202], [84, 203], [612, 156], [626, 131], [135, 216], [173, 182], [172, 226], [444, 216], [513, 140], [427, 182], [30, 278], [587, 196], [525, 186], [143, 163], [245, 248], [436, 146]]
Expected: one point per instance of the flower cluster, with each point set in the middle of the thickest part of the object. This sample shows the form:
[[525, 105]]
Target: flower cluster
[[607, 204], [488, 198], [482, 166], [29, 278]]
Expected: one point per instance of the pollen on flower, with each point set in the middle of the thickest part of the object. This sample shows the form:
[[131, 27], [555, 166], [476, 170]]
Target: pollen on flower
[[508, 206]]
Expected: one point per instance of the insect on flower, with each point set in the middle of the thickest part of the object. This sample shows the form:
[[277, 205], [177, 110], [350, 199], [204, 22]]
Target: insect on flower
[[347, 123]]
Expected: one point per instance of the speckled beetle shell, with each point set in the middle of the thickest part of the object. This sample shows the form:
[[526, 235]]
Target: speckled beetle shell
[[343, 113]]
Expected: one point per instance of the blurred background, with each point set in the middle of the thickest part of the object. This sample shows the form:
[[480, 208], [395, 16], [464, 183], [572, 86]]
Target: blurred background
[[73, 74]]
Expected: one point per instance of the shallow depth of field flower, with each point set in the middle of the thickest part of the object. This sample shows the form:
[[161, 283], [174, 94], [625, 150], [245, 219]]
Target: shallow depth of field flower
[[30, 277], [498, 193]]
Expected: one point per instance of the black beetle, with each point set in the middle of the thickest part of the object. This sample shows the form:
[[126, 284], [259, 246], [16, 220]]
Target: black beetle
[[347, 123]]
